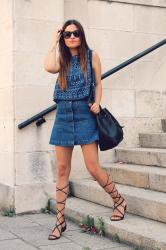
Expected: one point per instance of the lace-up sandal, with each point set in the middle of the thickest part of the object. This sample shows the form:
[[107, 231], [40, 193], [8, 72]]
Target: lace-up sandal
[[117, 205], [59, 224]]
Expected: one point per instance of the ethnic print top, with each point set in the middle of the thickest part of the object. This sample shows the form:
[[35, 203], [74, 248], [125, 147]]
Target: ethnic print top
[[77, 85]]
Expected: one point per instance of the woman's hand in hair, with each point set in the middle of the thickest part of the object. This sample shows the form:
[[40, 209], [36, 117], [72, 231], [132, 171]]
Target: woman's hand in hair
[[57, 35]]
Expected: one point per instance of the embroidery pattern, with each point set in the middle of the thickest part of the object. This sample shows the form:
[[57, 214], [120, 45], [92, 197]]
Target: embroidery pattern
[[77, 86]]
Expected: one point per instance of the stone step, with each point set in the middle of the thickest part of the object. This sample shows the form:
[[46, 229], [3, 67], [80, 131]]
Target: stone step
[[148, 177], [133, 230], [143, 202], [152, 140], [163, 124], [142, 156]]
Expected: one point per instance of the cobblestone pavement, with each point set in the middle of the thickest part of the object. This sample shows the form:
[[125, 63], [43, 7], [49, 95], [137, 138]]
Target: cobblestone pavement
[[30, 232]]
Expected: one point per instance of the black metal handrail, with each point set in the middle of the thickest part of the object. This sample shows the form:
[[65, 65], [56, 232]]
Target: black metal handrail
[[39, 117]]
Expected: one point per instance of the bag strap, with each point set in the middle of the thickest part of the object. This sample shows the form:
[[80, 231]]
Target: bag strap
[[92, 77], [90, 58]]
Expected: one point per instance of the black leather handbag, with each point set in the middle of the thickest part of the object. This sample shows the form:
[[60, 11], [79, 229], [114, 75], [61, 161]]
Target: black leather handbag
[[110, 131]]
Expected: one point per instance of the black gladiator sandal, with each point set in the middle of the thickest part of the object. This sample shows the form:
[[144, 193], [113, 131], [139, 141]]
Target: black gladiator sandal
[[116, 205], [58, 223]]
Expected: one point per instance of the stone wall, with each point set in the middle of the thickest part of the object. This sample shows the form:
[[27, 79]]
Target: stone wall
[[118, 30], [136, 95]]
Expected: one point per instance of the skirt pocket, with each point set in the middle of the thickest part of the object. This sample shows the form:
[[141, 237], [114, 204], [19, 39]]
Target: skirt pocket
[[61, 113]]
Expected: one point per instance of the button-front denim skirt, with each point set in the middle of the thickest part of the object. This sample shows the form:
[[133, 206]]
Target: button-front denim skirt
[[74, 124]]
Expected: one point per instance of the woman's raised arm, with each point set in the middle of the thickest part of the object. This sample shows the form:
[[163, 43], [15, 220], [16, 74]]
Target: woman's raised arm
[[51, 61]]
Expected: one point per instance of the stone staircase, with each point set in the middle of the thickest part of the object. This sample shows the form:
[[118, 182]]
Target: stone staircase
[[140, 176]]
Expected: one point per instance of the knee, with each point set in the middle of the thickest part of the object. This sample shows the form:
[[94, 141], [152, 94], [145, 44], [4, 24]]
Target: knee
[[62, 169]]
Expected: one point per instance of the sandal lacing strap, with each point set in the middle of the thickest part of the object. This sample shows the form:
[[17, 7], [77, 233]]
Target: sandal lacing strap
[[118, 196], [59, 211]]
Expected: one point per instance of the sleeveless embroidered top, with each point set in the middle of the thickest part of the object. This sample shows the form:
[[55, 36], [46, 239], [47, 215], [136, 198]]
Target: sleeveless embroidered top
[[77, 85]]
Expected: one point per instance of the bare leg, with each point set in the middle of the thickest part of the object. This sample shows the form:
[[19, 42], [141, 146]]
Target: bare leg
[[63, 155], [90, 153]]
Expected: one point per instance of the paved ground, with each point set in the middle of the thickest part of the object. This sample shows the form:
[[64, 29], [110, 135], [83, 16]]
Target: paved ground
[[30, 232]]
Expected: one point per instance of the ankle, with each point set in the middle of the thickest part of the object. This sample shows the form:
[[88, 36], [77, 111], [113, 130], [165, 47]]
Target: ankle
[[117, 199], [62, 219]]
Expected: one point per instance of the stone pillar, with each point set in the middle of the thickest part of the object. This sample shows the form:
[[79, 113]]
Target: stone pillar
[[7, 177], [27, 165]]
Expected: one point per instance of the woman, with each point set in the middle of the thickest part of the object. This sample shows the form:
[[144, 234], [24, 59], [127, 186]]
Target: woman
[[75, 122]]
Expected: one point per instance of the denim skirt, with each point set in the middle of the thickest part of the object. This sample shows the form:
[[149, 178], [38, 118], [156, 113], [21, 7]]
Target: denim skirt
[[74, 124]]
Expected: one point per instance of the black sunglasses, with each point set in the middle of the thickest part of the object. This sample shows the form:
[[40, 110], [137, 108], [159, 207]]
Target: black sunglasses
[[67, 34]]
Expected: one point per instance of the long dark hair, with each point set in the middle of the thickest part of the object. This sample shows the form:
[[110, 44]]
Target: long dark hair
[[65, 55]]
